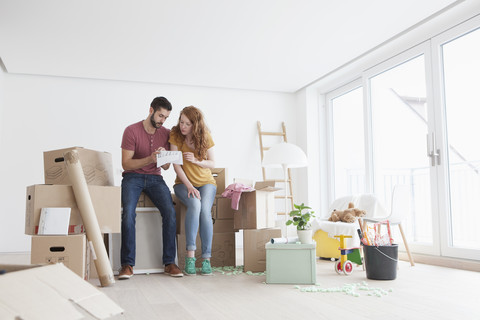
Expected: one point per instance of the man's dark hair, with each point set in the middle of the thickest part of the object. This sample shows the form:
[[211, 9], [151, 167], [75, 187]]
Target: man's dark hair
[[161, 102]]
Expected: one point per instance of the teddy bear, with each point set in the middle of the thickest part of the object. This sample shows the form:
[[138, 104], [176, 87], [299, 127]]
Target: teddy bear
[[348, 215]]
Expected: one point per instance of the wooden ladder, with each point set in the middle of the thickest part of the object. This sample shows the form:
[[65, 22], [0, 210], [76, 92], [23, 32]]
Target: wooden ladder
[[288, 189]]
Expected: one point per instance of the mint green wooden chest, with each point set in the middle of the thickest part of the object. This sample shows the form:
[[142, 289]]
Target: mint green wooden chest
[[291, 263]]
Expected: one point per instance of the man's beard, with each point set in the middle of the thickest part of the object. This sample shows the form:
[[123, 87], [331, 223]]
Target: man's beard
[[155, 124]]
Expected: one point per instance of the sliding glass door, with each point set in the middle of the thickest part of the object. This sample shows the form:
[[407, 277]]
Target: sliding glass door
[[458, 53], [399, 126], [419, 127]]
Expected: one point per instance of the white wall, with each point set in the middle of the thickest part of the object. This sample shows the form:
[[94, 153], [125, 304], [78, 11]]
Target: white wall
[[40, 113], [311, 136], [2, 94]]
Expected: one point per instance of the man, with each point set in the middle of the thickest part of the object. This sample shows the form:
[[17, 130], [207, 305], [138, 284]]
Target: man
[[141, 143]]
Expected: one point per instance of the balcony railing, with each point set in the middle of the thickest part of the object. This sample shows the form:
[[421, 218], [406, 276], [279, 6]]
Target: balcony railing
[[464, 191]]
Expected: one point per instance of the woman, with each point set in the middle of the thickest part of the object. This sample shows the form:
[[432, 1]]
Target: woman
[[195, 185]]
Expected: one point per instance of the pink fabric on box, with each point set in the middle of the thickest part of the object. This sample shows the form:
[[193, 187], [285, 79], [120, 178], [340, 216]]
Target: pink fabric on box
[[234, 191]]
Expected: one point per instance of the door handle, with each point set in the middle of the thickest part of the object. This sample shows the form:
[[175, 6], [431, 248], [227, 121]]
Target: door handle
[[432, 150]]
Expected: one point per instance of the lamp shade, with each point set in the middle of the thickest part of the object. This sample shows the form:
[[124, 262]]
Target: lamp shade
[[284, 155]]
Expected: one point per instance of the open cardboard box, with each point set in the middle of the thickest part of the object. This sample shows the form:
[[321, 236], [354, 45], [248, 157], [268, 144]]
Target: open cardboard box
[[32, 292], [256, 209]]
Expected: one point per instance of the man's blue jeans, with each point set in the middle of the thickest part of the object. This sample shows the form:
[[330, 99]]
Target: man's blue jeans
[[156, 189], [199, 213]]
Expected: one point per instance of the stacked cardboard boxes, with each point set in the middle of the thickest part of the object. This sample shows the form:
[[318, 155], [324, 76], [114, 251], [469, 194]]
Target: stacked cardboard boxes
[[256, 216], [223, 243], [72, 249]]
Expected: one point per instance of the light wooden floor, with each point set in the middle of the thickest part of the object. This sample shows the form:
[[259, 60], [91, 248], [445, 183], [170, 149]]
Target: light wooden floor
[[420, 292]]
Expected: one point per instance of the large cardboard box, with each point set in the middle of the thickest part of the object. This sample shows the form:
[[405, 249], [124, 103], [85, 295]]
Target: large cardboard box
[[256, 209], [97, 167], [220, 176], [106, 202], [71, 250], [51, 292], [254, 254], [291, 263], [223, 250]]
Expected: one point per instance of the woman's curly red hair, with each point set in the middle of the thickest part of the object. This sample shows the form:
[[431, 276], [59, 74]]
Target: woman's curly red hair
[[199, 131]]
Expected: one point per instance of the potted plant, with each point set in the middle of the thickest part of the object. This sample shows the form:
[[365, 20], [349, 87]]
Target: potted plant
[[300, 217]]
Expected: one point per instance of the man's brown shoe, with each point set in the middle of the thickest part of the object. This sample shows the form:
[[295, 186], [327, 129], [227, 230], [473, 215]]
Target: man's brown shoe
[[125, 273], [173, 270]]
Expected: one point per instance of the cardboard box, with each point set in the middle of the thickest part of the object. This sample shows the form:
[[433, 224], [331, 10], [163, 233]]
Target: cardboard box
[[106, 202], [220, 176], [71, 250], [256, 209], [254, 254], [222, 208], [97, 167], [223, 250], [51, 292], [223, 225], [291, 263]]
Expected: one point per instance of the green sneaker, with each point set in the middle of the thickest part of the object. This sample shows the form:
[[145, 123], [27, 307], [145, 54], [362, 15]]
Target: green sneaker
[[190, 266], [206, 268]]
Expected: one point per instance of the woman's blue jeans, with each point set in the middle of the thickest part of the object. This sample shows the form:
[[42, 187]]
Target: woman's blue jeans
[[199, 214], [156, 189]]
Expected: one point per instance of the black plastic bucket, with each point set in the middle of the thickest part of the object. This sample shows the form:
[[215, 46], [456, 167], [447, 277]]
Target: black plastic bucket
[[381, 262]]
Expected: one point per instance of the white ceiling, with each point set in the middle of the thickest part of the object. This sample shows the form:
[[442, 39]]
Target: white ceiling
[[273, 45]]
